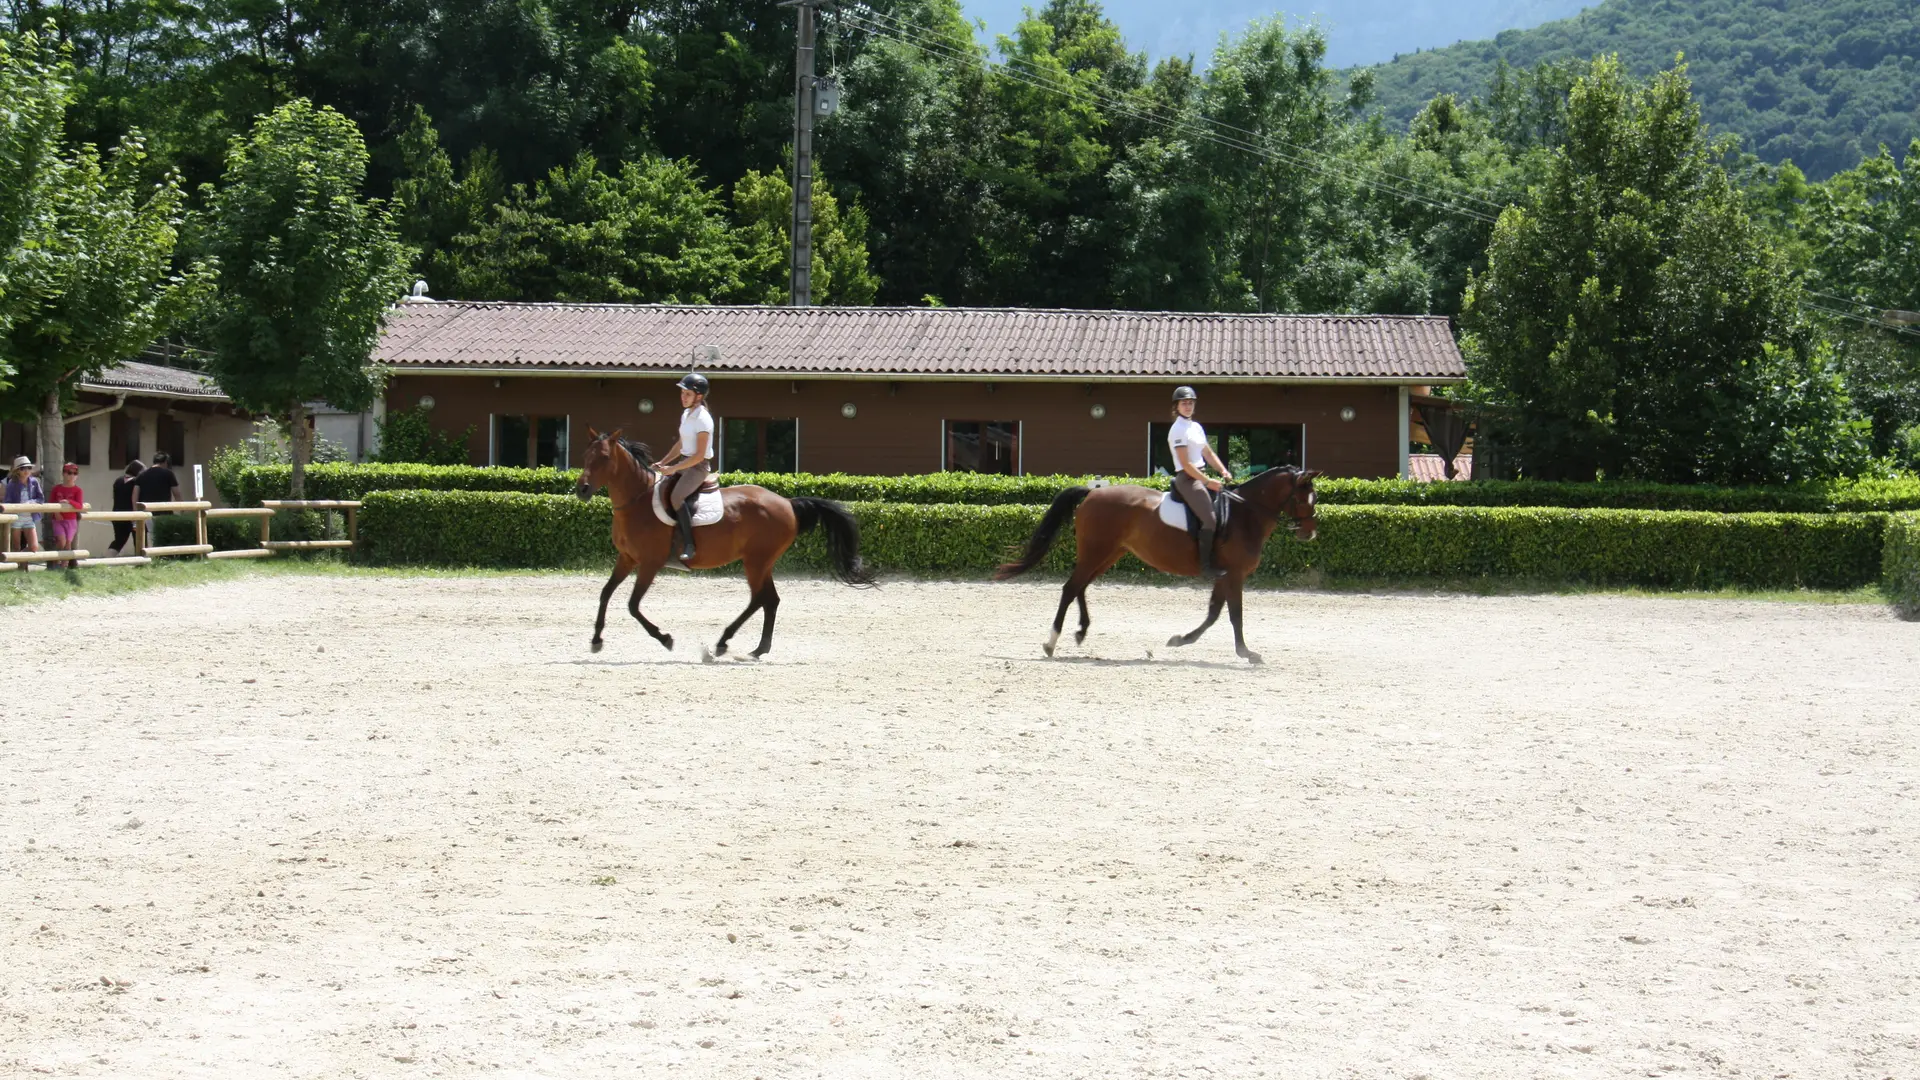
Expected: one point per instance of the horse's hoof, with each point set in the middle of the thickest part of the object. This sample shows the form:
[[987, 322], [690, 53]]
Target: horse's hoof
[[1047, 648], [1080, 637], [667, 640], [720, 649], [1176, 641], [1252, 657], [757, 654], [598, 645]]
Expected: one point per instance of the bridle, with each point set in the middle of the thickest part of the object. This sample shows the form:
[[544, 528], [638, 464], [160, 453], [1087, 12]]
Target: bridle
[[1286, 507]]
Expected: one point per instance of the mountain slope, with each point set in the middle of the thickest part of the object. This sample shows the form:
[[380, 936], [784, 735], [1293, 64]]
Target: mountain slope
[[1358, 31], [1820, 82]]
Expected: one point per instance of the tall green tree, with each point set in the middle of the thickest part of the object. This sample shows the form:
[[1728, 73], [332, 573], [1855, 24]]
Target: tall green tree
[[763, 205], [307, 270], [108, 285], [1861, 230], [36, 84], [1633, 319], [652, 232]]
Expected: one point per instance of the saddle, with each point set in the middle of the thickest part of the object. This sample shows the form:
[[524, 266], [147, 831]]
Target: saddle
[[1175, 512], [708, 504]]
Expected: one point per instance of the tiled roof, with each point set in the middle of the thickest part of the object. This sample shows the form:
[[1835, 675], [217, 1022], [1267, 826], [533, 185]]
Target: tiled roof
[[136, 378], [1428, 468], [909, 342]]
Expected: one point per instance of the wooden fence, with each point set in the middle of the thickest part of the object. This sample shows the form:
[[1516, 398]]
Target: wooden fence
[[142, 520]]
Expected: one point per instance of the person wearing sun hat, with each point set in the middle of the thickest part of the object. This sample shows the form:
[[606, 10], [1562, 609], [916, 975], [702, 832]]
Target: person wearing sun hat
[[24, 487]]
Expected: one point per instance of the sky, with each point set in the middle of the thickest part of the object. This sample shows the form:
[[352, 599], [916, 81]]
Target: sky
[[1358, 31]]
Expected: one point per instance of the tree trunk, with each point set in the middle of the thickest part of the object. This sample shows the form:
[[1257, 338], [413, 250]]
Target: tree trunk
[[53, 438], [300, 447]]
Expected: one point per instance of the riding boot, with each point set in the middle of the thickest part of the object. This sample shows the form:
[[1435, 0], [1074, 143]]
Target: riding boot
[[683, 530], [1207, 569]]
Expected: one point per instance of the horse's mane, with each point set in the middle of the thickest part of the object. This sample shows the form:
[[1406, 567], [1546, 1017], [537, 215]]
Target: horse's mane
[[1294, 470], [642, 453]]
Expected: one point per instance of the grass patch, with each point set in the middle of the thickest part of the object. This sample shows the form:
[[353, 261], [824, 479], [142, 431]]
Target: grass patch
[[1483, 586]]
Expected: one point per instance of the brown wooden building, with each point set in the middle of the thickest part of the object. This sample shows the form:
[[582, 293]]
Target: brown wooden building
[[915, 390]]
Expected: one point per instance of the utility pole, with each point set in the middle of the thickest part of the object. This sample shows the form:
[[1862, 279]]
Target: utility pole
[[803, 108]]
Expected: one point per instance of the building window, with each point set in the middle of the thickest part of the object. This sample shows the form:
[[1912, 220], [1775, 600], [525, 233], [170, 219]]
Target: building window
[[522, 441], [1246, 449], [17, 439], [79, 439], [171, 436], [982, 446], [754, 444], [124, 445]]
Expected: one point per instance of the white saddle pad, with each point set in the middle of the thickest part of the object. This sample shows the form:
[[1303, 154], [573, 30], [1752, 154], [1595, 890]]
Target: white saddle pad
[[1173, 511], [707, 506]]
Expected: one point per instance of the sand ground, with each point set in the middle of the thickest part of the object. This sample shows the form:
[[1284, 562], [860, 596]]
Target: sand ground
[[365, 826]]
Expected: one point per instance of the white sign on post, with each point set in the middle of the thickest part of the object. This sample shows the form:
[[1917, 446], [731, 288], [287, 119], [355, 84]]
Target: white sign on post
[[199, 484]]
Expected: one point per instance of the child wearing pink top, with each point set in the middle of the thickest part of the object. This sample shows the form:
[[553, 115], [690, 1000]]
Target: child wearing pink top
[[67, 526]]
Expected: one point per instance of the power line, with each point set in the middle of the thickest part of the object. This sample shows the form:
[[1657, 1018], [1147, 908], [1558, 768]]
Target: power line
[[1217, 132], [1861, 319]]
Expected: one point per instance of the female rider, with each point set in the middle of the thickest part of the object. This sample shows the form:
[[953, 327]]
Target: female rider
[[1191, 451], [691, 460]]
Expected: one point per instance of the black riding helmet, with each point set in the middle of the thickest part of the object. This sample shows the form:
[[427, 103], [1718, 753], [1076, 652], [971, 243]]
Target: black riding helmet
[[695, 382], [1185, 393]]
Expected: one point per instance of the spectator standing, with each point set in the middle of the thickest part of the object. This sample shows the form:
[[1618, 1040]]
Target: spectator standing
[[124, 489], [24, 487], [156, 482], [66, 527]]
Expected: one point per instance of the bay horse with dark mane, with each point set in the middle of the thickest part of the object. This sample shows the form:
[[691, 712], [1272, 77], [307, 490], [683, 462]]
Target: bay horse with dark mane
[[755, 528], [1111, 521]]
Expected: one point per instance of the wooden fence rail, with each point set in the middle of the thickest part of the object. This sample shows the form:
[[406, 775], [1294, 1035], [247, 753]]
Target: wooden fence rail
[[142, 521]]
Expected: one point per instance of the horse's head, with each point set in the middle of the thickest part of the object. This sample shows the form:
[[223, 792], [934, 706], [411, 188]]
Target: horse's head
[[1285, 494], [602, 466]]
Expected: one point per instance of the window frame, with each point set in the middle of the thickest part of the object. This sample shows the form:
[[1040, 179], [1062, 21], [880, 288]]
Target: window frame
[[722, 456], [1019, 444]]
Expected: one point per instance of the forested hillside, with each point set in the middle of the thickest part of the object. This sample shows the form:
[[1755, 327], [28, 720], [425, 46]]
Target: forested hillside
[[1818, 82]]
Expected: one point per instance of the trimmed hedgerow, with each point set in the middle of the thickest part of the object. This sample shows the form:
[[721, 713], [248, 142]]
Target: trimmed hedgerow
[[248, 486], [1900, 564], [1669, 549]]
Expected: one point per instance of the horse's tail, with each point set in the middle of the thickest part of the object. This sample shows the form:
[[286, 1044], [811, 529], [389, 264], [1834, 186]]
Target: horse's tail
[[843, 539], [1064, 504]]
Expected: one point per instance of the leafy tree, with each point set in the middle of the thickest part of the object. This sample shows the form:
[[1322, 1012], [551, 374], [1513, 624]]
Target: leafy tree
[[409, 435], [107, 287], [307, 271], [1861, 230], [652, 232], [763, 204], [36, 84], [434, 208], [1633, 320]]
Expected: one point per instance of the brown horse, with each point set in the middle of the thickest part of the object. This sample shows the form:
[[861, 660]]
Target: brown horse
[[756, 528], [1110, 521]]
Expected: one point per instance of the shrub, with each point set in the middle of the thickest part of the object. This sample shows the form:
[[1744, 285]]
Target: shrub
[[1625, 547], [1900, 564], [246, 487], [408, 435]]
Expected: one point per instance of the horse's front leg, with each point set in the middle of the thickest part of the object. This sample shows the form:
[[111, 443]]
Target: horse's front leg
[[641, 582], [1214, 603], [622, 566], [1234, 613]]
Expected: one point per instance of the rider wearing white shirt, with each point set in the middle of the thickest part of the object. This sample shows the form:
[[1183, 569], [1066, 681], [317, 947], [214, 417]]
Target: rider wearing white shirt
[[1191, 453], [692, 458]]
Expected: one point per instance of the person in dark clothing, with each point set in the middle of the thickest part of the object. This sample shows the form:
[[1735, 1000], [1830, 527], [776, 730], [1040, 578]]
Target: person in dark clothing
[[123, 492], [156, 482]]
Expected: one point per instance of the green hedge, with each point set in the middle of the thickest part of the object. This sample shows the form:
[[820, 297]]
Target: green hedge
[[249, 486], [1900, 565], [1627, 547]]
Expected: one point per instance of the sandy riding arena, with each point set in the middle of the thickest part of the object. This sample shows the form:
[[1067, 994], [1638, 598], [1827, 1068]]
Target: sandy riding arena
[[299, 825]]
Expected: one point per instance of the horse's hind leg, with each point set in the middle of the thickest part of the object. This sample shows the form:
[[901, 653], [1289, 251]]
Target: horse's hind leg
[[641, 583], [769, 606], [622, 566], [1086, 568], [1220, 592]]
